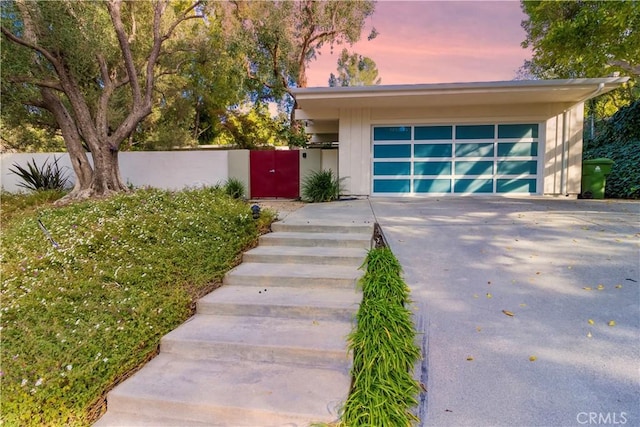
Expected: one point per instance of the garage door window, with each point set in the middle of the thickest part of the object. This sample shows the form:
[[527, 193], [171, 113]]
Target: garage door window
[[458, 159]]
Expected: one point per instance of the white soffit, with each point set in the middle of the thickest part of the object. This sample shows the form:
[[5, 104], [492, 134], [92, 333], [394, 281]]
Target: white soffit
[[569, 92]]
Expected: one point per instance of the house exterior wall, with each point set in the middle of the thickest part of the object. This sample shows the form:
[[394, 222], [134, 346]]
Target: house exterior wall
[[330, 160], [563, 152], [561, 174], [354, 157]]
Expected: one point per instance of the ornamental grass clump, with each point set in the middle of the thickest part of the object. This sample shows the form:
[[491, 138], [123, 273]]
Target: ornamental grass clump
[[49, 176], [383, 391], [234, 188], [78, 317], [320, 186]]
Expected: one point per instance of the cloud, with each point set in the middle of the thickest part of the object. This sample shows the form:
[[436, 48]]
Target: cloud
[[438, 41]]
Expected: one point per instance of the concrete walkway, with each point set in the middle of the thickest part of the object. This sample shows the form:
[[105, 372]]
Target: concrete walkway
[[269, 347], [564, 268]]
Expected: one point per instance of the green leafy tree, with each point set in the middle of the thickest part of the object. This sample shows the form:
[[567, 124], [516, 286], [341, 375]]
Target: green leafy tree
[[281, 38], [355, 70], [577, 39], [93, 67], [582, 38]]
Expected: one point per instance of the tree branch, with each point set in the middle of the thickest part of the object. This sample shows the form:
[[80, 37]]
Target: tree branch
[[51, 84], [142, 103], [114, 12], [159, 39], [103, 101], [633, 69], [48, 55]]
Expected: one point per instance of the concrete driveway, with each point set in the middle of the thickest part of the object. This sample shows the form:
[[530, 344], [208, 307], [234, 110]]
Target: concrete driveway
[[563, 268]]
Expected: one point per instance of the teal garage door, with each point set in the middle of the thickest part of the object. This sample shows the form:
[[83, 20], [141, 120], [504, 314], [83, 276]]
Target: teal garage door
[[455, 159]]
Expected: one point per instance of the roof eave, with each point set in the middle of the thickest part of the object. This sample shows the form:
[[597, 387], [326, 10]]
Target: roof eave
[[608, 83]]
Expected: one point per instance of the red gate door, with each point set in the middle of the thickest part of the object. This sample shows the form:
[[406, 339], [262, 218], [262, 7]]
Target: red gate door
[[275, 174]]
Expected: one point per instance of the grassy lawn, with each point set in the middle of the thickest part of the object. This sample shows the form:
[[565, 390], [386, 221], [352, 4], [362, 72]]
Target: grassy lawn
[[76, 318]]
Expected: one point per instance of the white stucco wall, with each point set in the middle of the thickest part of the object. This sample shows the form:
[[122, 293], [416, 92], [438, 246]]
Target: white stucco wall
[[170, 170], [238, 165], [310, 161], [9, 181]]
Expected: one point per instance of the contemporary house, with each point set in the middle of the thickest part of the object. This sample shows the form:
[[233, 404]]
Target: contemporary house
[[522, 137]]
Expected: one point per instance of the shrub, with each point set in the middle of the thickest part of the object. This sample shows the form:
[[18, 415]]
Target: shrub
[[620, 142], [383, 391], [46, 177], [234, 188], [321, 186]]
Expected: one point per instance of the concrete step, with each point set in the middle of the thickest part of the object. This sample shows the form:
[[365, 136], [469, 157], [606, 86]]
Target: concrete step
[[128, 419], [281, 301], [236, 394], [306, 255], [334, 240], [300, 342], [291, 275], [319, 227]]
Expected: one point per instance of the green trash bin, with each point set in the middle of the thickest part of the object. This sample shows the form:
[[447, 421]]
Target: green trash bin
[[594, 177]]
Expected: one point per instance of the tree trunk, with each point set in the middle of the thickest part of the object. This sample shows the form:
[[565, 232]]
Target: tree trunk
[[106, 175], [73, 141], [104, 180]]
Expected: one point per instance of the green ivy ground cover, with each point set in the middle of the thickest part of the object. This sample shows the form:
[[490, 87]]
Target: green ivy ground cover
[[619, 140], [77, 317]]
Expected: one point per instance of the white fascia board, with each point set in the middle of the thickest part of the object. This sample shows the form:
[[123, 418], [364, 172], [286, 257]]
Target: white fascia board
[[609, 83]]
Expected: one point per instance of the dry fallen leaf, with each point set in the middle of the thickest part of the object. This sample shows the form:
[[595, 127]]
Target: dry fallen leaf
[[612, 323], [469, 358], [591, 322], [508, 313], [532, 358]]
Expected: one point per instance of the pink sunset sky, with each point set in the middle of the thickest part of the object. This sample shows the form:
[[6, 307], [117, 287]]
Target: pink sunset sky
[[437, 42]]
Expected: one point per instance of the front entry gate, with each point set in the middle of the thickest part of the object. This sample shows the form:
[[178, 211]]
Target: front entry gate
[[275, 173]]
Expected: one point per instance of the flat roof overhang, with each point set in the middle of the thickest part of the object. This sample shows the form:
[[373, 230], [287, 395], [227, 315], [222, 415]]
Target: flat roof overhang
[[567, 92]]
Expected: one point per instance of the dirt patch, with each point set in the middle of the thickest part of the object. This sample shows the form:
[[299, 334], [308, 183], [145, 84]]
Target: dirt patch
[[282, 207]]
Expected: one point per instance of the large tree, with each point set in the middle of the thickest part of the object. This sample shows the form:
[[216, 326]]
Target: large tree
[[283, 37], [573, 39], [355, 70], [93, 66]]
